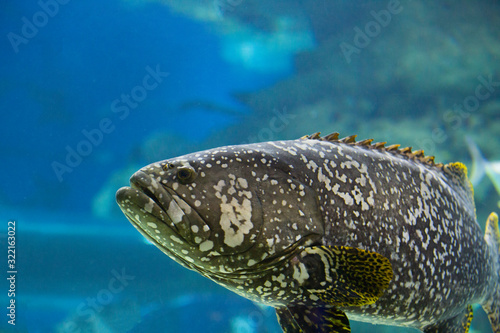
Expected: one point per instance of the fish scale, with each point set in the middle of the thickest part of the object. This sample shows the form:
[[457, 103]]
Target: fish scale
[[325, 229]]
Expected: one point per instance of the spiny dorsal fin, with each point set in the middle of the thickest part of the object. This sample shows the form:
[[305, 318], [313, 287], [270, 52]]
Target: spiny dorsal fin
[[365, 142], [349, 139], [379, 145], [392, 147], [315, 136], [419, 153], [456, 170], [332, 137]]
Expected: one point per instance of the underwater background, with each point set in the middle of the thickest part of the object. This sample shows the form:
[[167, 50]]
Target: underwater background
[[90, 91]]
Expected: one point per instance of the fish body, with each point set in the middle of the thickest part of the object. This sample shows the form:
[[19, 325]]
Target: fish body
[[326, 229]]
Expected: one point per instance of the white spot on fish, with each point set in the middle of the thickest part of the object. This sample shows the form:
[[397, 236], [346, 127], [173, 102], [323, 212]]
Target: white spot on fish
[[243, 182], [206, 246], [175, 212], [149, 206], [235, 220], [176, 239]]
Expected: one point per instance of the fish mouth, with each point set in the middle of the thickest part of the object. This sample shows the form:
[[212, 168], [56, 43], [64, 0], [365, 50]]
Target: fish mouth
[[140, 199], [159, 214]]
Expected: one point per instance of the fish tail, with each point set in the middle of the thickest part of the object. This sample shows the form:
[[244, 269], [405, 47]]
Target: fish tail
[[492, 304]]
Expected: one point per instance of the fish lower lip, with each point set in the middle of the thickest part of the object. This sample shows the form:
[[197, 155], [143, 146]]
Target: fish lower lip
[[152, 198], [163, 198], [132, 200], [141, 192], [133, 196], [122, 195]]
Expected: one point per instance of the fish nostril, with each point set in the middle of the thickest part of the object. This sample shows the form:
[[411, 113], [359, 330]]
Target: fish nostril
[[168, 166]]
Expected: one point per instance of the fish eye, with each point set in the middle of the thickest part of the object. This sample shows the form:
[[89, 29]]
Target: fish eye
[[186, 175]]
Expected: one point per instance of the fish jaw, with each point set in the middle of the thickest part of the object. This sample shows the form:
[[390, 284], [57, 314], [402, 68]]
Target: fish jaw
[[143, 204]]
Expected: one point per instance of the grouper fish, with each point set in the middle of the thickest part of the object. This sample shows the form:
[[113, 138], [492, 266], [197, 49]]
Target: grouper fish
[[325, 229]]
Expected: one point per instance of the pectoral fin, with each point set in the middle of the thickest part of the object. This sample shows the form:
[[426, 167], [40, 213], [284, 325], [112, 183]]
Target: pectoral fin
[[286, 321], [303, 319], [346, 276]]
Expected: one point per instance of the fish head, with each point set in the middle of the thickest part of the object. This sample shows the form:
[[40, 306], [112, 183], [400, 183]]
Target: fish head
[[225, 211]]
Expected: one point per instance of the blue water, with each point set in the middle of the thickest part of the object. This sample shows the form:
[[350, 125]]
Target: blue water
[[94, 90], [65, 79]]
